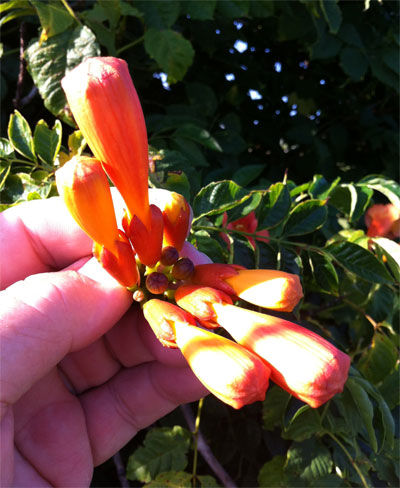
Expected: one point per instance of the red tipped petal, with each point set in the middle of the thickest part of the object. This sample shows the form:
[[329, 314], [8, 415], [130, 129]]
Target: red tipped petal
[[214, 275], [301, 362], [198, 301], [147, 241], [161, 315]]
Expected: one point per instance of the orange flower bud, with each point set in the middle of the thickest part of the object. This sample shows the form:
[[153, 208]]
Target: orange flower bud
[[83, 186], [230, 372], [198, 301], [214, 275], [147, 241], [176, 214], [267, 288], [383, 221], [301, 362], [161, 315], [107, 110], [121, 266]]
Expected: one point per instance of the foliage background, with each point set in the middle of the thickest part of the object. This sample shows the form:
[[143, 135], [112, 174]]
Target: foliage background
[[287, 108]]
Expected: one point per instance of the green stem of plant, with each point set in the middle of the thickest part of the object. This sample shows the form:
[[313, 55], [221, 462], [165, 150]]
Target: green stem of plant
[[196, 439], [353, 463], [70, 11], [130, 44]]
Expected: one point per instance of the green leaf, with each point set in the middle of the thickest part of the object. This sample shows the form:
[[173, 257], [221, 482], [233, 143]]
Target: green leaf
[[54, 17], [197, 134], [18, 12], [233, 8], [359, 261], [308, 460], [390, 251], [272, 473], [379, 359], [326, 47], [171, 479], [76, 143], [387, 419], [165, 449], [245, 175], [172, 52], [6, 149], [306, 217], [5, 167], [324, 272], [380, 306], [351, 200], [365, 408], [48, 62], [274, 406], [217, 198], [209, 246], [320, 188], [354, 63], [274, 207], [389, 188], [199, 9], [47, 141], [11, 4], [305, 423], [20, 136], [112, 10], [159, 14], [201, 97], [350, 35], [332, 14]]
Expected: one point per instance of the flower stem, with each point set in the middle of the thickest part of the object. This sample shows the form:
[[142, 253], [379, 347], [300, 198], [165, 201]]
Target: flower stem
[[205, 451], [196, 441], [353, 463], [70, 11], [129, 45]]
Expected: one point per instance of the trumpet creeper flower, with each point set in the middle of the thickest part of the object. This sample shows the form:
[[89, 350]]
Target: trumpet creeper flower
[[266, 288], [247, 224], [383, 221], [84, 187], [107, 110], [301, 362], [232, 373]]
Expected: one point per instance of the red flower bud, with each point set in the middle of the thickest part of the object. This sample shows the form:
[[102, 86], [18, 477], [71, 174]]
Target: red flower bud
[[147, 241]]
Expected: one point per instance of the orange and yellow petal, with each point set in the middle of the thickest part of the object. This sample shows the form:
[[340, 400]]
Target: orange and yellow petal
[[106, 107], [230, 372], [83, 186], [301, 362], [267, 288]]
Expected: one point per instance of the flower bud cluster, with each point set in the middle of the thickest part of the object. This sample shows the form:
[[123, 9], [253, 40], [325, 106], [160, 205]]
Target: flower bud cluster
[[181, 301]]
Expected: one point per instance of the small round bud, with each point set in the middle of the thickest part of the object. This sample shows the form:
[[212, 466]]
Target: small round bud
[[156, 283], [139, 295], [169, 256], [182, 269]]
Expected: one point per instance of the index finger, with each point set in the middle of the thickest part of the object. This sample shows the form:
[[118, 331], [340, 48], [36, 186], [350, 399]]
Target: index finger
[[37, 237]]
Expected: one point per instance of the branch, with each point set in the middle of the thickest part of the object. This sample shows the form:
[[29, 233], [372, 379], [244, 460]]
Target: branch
[[205, 450]]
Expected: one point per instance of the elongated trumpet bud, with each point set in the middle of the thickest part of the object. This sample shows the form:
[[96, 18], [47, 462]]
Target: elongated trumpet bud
[[301, 362]]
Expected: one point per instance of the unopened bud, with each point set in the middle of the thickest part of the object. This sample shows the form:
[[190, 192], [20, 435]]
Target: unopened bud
[[182, 269], [139, 295], [156, 283], [169, 256]]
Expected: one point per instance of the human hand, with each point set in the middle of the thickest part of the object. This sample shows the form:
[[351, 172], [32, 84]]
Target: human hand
[[81, 370]]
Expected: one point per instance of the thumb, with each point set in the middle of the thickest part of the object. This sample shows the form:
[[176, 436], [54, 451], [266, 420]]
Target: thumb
[[48, 315]]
